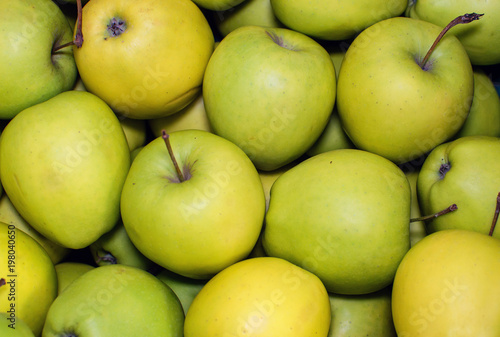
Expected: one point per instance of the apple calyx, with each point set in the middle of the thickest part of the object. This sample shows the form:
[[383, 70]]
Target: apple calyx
[[78, 39], [447, 210], [180, 176], [116, 27], [466, 18], [495, 216], [107, 257], [2, 282]]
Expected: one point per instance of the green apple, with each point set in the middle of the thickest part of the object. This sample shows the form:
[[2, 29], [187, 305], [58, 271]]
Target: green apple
[[69, 271], [63, 163], [115, 247], [269, 177], [248, 13], [32, 71], [135, 131], [176, 37], [28, 280], [462, 172], [417, 228], [344, 216], [135, 152], [115, 300], [447, 285], [484, 114], [199, 220], [392, 104], [185, 288], [17, 329], [192, 116], [217, 5], [10, 216], [362, 315], [270, 91], [480, 38], [263, 296], [335, 20]]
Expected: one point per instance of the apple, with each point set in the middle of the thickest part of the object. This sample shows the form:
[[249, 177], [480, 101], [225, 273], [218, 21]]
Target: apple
[[32, 71], [63, 163], [192, 116], [19, 329], [417, 228], [362, 315], [135, 131], [248, 13], [115, 300], [198, 215], [480, 38], [462, 172], [447, 285], [115, 247], [185, 288], [69, 271], [28, 281], [145, 59], [10, 216], [396, 102], [344, 216], [262, 296], [270, 91], [269, 177], [217, 5], [484, 114], [335, 20]]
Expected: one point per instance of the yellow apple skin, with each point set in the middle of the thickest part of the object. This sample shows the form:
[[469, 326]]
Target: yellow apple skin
[[176, 38], [69, 271], [19, 329], [218, 5], [262, 296], [34, 286], [447, 286], [135, 132]]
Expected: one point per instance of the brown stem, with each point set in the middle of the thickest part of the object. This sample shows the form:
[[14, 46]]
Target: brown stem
[[466, 18], [78, 41], [166, 137], [495, 216], [2, 282], [452, 208]]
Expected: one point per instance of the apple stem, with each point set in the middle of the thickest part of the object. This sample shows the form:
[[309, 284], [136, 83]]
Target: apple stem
[[495, 216], [449, 209], [78, 41], [166, 138], [466, 18], [2, 282]]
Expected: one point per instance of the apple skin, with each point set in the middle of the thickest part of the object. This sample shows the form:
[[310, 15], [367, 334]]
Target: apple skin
[[115, 300], [335, 20], [270, 91], [347, 213], [262, 296], [362, 315], [379, 78], [200, 226], [19, 329], [175, 36], [35, 278], [30, 73], [69, 271], [484, 114], [480, 38], [63, 163], [471, 182], [135, 131], [447, 286], [218, 5]]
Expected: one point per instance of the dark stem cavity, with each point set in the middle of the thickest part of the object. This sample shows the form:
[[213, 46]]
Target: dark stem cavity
[[447, 210], [2, 282], [495, 216], [107, 257], [443, 169], [116, 27], [279, 40]]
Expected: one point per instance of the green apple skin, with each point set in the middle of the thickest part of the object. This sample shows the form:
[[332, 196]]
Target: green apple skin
[[63, 163], [417, 228], [270, 91], [217, 5], [18, 329], [115, 300], [484, 114], [200, 226], [10, 216], [447, 286], [248, 13], [31, 280], [115, 247], [192, 116], [362, 315], [388, 104], [335, 20], [135, 131], [462, 172], [347, 213], [185, 288], [480, 38], [69, 271], [31, 73]]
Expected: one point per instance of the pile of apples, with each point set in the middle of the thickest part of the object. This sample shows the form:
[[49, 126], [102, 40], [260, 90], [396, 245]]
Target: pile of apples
[[241, 168]]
